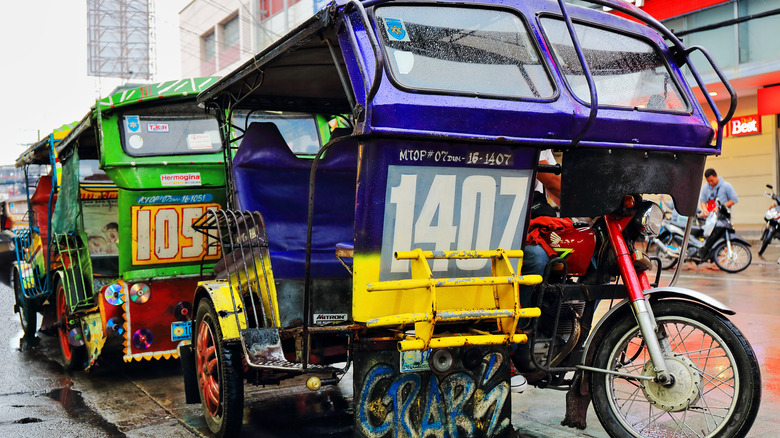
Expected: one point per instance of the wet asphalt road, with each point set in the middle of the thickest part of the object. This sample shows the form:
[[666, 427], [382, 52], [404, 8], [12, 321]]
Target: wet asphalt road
[[38, 399]]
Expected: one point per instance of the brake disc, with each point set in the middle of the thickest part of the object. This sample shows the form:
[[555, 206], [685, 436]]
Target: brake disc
[[682, 393]]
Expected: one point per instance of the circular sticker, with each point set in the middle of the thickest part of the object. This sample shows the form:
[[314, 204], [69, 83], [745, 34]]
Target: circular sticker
[[136, 142]]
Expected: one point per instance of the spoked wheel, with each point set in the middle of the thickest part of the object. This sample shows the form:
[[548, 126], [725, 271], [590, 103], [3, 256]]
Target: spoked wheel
[[716, 387], [71, 342], [738, 260], [766, 239], [220, 377], [28, 316], [667, 261]]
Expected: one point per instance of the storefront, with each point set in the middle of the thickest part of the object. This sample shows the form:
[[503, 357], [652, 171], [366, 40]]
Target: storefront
[[739, 35]]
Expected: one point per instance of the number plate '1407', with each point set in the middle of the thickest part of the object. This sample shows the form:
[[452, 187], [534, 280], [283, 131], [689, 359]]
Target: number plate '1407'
[[164, 234]]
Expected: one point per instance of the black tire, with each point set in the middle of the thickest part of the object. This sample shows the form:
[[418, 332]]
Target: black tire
[[766, 239], [714, 359], [28, 315], [223, 411], [73, 357], [739, 262], [667, 261]]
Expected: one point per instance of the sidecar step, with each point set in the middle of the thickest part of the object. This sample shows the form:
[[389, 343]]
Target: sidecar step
[[263, 350], [283, 365]]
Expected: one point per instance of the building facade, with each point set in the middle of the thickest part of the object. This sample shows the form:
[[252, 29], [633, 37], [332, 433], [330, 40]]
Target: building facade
[[739, 34], [219, 35]]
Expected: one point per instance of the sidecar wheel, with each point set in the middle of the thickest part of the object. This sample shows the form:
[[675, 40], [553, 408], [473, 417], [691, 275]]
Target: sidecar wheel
[[218, 368], [737, 262], [74, 353], [717, 389], [28, 316]]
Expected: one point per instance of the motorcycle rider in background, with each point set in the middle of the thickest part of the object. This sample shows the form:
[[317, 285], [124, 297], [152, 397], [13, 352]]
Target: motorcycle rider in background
[[715, 189]]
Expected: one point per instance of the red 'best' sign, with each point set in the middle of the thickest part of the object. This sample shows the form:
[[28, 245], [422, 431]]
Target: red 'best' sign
[[745, 125]]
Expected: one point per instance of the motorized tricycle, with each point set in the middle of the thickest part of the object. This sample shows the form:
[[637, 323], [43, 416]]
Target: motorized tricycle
[[119, 252], [397, 246]]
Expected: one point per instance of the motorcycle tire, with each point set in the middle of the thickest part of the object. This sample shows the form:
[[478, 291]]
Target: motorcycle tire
[[74, 357], [667, 261], [714, 369], [739, 261], [766, 239]]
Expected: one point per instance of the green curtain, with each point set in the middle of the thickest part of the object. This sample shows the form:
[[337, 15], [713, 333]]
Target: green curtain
[[68, 209]]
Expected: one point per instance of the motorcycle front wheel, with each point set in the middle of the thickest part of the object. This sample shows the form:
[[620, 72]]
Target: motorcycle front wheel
[[716, 389], [766, 239], [737, 261]]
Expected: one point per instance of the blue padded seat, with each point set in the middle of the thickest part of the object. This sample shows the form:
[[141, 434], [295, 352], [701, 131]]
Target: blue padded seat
[[270, 179]]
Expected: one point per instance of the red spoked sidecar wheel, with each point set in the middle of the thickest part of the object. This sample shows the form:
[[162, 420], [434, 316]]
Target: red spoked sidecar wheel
[[219, 373]]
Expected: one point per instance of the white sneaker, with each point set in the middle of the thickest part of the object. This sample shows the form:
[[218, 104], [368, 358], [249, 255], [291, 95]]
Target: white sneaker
[[517, 383]]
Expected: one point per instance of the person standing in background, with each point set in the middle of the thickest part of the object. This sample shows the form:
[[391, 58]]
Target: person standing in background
[[716, 188]]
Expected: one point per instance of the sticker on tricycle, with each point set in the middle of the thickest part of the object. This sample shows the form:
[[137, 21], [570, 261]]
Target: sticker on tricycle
[[467, 158], [164, 234], [415, 360], [180, 179], [181, 331]]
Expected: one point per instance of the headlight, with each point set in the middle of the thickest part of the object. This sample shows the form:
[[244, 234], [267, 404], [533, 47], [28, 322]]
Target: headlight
[[651, 220]]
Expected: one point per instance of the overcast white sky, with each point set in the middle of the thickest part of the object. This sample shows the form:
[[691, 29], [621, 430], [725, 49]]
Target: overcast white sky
[[43, 47]]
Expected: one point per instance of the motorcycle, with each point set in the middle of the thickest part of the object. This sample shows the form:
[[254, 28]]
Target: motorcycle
[[731, 252], [663, 361], [772, 218]]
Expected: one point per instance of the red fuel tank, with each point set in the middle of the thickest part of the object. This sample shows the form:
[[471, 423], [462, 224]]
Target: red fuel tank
[[576, 246]]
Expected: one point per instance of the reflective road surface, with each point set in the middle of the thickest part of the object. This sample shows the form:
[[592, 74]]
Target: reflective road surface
[[147, 400]]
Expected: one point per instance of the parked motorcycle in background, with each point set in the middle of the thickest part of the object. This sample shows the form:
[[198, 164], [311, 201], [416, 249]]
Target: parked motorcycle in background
[[730, 252], [772, 218]]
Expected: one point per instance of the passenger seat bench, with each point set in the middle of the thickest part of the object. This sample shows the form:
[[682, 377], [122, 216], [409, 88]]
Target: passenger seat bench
[[270, 179]]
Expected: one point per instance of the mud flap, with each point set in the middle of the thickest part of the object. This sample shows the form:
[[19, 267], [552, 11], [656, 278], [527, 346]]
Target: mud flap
[[577, 402], [187, 359], [397, 394]]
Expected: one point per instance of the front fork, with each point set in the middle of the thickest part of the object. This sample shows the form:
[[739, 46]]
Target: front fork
[[636, 285]]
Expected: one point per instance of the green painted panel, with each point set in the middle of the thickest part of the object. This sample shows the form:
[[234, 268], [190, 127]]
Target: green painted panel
[[156, 239]]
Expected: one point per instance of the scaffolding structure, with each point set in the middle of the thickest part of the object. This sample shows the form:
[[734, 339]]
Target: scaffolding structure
[[121, 39]]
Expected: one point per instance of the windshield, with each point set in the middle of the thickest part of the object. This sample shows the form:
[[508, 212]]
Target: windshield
[[627, 71], [462, 50], [298, 130], [90, 172], [169, 135]]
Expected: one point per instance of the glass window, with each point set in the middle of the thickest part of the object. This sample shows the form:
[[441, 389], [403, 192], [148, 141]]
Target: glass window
[[721, 42], [89, 171], [628, 72], [270, 7], [754, 41], [209, 47], [169, 135], [462, 50], [300, 131], [230, 32]]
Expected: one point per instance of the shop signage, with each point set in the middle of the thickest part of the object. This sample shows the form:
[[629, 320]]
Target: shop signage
[[745, 125], [664, 9]]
